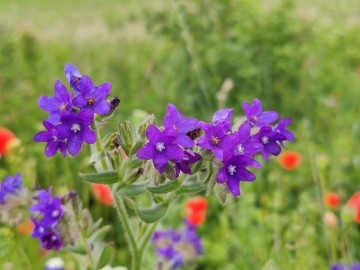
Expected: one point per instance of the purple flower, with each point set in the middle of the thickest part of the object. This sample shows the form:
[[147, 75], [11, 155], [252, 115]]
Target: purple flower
[[58, 104], [182, 124], [339, 266], [355, 266], [189, 158], [161, 147], [48, 207], [269, 139], [234, 171], [48, 237], [50, 136], [256, 116], [177, 248], [73, 76], [223, 117], [10, 185], [93, 97], [239, 143], [214, 138], [281, 128], [75, 128]]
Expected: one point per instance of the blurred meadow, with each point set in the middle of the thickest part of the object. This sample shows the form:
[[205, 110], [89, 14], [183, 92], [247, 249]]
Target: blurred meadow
[[300, 58]]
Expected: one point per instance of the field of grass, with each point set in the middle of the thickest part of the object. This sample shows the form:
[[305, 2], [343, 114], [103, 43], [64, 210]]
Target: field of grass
[[301, 58]]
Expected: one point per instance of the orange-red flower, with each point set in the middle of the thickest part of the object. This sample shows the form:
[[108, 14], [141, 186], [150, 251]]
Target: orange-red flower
[[290, 160], [196, 210], [332, 200], [354, 202], [25, 227], [6, 136], [102, 194]]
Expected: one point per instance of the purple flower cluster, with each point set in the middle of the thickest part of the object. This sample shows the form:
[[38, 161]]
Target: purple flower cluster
[[235, 149], [48, 215], [10, 185], [342, 266], [168, 144], [175, 248], [71, 114]]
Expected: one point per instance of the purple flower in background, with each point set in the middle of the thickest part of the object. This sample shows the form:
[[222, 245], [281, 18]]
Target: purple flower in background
[[176, 249], [48, 237], [73, 76], [93, 97], [256, 116], [48, 207], [58, 104], [281, 128], [50, 136], [75, 128], [161, 147], [269, 139], [239, 143], [223, 117], [214, 138], [189, 158], [49, 213], [234, 171], [10, 185], [338, 267], [182, 124], [355, 266]]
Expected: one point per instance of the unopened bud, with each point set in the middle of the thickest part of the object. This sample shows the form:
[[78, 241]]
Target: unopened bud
[[126, 136], [330, 220], [149, 120]]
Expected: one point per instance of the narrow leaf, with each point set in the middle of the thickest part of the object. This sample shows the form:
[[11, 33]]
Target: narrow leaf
[[133, 190], [191, 188], [110, 177], [153, 214], [164, 188]]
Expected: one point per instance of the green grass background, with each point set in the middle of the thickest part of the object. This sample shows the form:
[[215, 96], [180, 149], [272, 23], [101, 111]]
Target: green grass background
[[301, 58]]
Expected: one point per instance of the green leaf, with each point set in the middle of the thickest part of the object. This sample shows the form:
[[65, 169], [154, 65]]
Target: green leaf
[[106, 257], [164, 188], [133, 190], [153, 214], [191, 188], [110, 177], [77, 249], [99, 234], [93, 227]]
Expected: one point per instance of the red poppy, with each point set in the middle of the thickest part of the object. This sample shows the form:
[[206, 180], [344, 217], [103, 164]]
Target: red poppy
[[332, 200], [354, 202], [290, 160], [6, 136], [196, 210], [102, 194]]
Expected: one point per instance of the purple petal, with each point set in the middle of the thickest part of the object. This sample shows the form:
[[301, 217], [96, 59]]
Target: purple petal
[[79, 101], [71, 70], [256, 107], [265, 155], [85, 85], [61, 93], [102, 91], [184, 141], [48, 104], [244, 131], [272, 148], [43, 136], [153, 133], [63, 130], [74, 144], [223, 116], [243, 174], [146, 152], [234, 186], [51, 148], [203, 143], [172, 117], [221, 176], [86, 117], [160, 163], [184, 168], [288, 134], [267, 117], [174, 152], [63, 149], [54, 118], [102, 107], [218, 152], [88, 136]]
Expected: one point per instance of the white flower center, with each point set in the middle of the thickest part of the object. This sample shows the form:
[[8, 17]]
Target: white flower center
[[53, 238], [55, 213], [75, 127], [240, 149], [160, 146], [41, 230], [55, 138], [264, 140], [232, 169]]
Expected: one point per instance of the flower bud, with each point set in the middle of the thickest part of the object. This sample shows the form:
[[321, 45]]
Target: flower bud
[[126, 136], [330, 220]]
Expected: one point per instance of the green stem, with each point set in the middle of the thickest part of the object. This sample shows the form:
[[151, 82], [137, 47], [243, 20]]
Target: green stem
[[129, 232], [147, 234]]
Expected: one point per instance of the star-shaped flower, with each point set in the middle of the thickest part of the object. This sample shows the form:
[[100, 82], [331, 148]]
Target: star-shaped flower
[[256, 116], [50, 136]]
